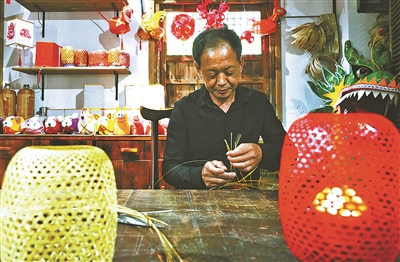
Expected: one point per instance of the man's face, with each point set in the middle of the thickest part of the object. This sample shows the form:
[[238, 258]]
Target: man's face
[[220, 71]]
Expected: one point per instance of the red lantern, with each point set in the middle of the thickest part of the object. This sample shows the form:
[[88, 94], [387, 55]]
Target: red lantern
[[214, 17], [339, 182], [182, 27], [247, 35]]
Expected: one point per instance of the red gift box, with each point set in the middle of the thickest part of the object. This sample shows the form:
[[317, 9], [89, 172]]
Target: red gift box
[[47, 54]]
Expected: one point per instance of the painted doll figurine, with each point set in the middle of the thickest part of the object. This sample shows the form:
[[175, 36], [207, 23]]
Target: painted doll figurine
[[13, 125], [121, 126], [52, 125], [104, 124], [70, 124]]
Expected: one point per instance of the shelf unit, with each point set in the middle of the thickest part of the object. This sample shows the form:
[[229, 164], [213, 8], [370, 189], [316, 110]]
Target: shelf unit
[[42, 71], [44, 6]]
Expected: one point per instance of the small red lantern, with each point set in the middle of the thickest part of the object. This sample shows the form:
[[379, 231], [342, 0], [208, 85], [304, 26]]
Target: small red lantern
[[182, 27], [339, 180], [248, 36]]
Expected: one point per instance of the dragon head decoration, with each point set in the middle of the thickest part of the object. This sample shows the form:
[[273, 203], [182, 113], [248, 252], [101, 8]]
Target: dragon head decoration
[[371, 86]]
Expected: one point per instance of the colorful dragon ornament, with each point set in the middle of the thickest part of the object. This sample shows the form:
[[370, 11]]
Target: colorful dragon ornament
[[371, 86]]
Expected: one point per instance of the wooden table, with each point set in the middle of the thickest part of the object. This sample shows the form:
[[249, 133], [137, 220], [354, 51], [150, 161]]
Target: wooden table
[[217, 225]]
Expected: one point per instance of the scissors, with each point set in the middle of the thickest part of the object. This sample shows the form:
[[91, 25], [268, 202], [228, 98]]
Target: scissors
[[125, 219]]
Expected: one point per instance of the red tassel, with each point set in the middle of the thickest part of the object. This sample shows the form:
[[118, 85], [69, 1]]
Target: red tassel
[[8, 1], [159, 45], [251, 56], [121, 42], [264, 45], [183, 59], [140, 45], [19, 58]]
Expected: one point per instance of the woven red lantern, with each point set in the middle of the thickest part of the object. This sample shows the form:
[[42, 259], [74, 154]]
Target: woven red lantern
[[339, 184], [182, 27], [214, 17], [248, 36]]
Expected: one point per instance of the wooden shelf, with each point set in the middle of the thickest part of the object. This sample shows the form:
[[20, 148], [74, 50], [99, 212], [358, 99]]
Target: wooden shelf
[[73, 70], [72, 5], [116, 70]]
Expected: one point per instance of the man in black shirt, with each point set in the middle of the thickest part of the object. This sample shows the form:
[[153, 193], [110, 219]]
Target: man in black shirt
[[214, 132]]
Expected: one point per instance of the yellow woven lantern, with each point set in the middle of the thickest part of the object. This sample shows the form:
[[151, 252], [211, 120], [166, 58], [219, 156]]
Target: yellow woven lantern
[[113, 56], [67, 56], [59, 203]]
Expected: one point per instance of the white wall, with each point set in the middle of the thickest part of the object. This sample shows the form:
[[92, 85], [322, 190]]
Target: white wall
[[298, 99], [80, 31]]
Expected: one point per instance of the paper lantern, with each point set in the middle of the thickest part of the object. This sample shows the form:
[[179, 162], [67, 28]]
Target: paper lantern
[[339, 184], [113, 56], [19, 33], [124, 59], [183, 26], [67, 56], [59, 203], [80, 57]]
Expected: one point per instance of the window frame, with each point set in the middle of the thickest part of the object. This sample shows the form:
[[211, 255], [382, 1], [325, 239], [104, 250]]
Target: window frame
[[270, 57]]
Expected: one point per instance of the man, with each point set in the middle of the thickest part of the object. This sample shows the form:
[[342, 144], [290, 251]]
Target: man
[[213, 133]]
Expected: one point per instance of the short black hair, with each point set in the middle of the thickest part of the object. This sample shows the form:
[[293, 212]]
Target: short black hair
[[213, 38]]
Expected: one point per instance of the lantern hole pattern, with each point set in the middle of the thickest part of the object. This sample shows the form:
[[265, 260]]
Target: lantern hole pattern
[[59, 203], [339, 196]]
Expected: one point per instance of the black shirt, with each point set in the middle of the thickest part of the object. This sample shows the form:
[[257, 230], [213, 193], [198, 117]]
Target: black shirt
[[198, 127]]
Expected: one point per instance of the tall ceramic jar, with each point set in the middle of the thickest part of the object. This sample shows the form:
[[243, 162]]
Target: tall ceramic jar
[[8, 101], [25, 102]]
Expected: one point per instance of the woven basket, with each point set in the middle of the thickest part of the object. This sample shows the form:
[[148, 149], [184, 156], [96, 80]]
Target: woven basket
[[59, 203]]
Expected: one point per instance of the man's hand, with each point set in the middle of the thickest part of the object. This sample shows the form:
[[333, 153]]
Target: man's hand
[[214, 174], [245, 157]]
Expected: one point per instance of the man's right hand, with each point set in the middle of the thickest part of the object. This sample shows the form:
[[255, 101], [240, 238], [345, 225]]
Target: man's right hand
[[214, 174]]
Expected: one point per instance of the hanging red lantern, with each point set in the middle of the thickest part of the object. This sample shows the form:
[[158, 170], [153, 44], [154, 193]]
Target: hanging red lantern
[[119, 25], [214, 17], [248, 36], [268, 26], [182, 27]]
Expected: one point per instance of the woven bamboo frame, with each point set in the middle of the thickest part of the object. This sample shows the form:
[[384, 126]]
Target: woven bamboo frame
[[59, 203]]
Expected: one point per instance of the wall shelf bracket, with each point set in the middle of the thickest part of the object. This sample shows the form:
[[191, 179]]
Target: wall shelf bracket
[[116, 85], [43, 18]]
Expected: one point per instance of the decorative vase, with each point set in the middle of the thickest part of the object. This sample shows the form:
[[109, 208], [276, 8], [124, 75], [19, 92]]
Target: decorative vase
[[339, 184], [59, 203]]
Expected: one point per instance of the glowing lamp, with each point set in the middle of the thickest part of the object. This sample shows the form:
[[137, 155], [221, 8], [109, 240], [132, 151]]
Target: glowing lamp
[[339, 183]]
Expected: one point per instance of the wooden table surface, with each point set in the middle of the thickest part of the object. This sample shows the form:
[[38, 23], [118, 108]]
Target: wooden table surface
[[216, 225]]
